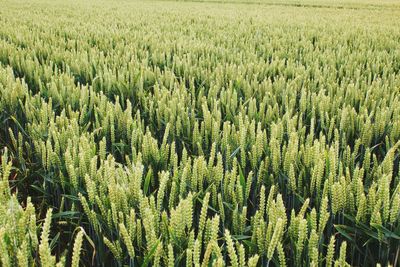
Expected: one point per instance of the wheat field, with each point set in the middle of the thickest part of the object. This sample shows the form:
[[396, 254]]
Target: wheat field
[[199, 133]]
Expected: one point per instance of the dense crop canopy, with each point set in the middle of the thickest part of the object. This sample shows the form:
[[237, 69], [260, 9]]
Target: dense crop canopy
[[199, 134]]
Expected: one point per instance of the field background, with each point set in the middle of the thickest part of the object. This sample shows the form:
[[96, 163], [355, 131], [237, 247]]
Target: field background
[[199, 133]]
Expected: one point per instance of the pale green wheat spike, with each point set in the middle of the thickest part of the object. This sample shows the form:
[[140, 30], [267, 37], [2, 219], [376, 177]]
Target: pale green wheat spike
[[243, 134], [171, 258], [172, 195], [203, 214], [314, 263], [334, 157], [241, 254], [102, 149], [276, 236], [13, 139], [371, 196], [214, 228], [46, 259], [191, 240], [280, 209], [313, 220], [174, 158], [239, 194], [184, 157], [281, 254], [32, 230], [43, 153], [323, 215], [214, 195], [201, 171], [217, 249], [264, 236], [189, 211], [219, 169], [384, 192], [196, 253], [387, 163], [236, 220], [219, 262], [91, 188], [336, 197], [164, 148], [183, 181], [131, 223], [73, 176], [92, 216], [361, 208], [395, 208], [376, 214], [262, 202], [189, 262], [101, 206], [261, 171], [113, 248], [23, 255], [292, 178], [248, 186], [318, 181], [231, 249], [61, 263], [313, 246], [302, 233], [254, 157], [194, 177], [163, 225], [139, 232], [253, 261], [342, 254], [243, 219], [359, 188], [4, 255], [20, 225], [207, 254], [276, 155], [303, 208], [77, 249], [164, 177], [367, 160], [330, 252], [212, 156], [127, 240], [5, 171], [180, 219], [158, 254]]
